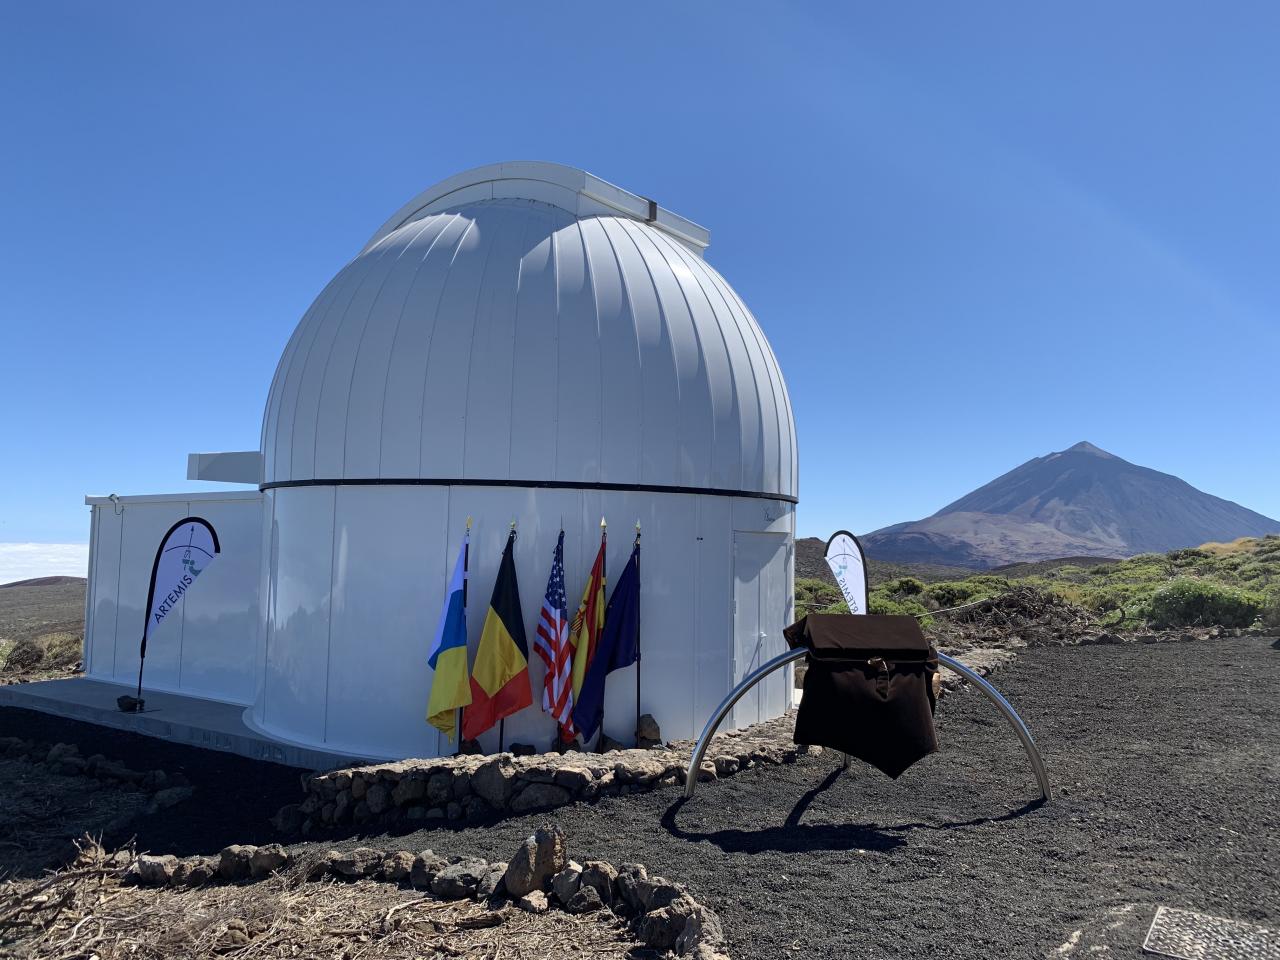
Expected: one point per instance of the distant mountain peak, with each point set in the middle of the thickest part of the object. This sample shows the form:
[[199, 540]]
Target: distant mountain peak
[[1084, 446], [1064, 504]]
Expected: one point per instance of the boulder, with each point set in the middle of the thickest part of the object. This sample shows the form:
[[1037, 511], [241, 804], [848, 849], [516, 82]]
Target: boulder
[[196, 871], [425, 866], [535, 901], [460, 785], [565, 883], [357, 863], [584, 900], [523, 749], [601, 876], [630, 875], [491, 883], [169, 797], [233, 862], [540, 857], [378, 798], [439, 788], [397, 867], [495, 780], [662, 928], [539, 796], [408, 791], [608, 744], [461, 879], [267, 860], [574, 779], [359, 787], [152, 871], [648, 733]]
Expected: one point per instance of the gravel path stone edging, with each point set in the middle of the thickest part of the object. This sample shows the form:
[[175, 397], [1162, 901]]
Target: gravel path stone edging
[[538, 877], [471, 787]]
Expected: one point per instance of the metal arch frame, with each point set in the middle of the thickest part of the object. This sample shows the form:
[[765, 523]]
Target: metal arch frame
[[780, 661]]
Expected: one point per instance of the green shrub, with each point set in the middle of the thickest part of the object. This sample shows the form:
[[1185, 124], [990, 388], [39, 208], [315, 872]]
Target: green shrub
[[903, 586], [1198, 603], [882, 603], [1271, 612]]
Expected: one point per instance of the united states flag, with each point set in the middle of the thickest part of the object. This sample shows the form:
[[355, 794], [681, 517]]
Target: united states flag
[[552, 645]]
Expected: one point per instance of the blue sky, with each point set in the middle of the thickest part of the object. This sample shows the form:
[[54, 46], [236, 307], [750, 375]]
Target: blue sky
[[974, 233]]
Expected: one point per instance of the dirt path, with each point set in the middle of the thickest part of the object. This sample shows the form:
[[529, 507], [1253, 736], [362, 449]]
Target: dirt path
[[1165, 758]]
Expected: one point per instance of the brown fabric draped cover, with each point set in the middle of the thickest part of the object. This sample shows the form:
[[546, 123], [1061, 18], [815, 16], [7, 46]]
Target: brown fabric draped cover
[[868, 690]]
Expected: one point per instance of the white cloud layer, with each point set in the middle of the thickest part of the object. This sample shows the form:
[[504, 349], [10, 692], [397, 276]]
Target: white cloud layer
[[23, 561]]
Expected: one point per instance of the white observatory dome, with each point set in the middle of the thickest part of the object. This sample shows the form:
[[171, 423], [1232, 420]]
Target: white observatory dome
[[531, 325]]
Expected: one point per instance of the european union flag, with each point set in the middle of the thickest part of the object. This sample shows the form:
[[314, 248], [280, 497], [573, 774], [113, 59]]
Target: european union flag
[[619, 647]]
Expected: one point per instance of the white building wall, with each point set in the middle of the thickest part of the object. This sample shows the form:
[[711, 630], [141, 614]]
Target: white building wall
[[360, 573], [208, 651]]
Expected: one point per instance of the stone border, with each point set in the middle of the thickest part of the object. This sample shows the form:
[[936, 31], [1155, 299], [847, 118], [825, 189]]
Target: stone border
[[472, 787], [166, 789], [540, 875]]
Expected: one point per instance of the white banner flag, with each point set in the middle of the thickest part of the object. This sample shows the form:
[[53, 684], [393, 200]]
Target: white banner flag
[[186, 550], [849, 564]]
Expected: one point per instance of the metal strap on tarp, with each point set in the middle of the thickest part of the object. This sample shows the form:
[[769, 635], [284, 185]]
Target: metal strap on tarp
[[780, 661]]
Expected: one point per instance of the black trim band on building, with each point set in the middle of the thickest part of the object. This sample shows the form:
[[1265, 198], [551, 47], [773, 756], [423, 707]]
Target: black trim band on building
[[537, 484]]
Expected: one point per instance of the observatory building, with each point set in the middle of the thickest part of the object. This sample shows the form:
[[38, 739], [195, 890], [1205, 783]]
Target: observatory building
[[521, 343]]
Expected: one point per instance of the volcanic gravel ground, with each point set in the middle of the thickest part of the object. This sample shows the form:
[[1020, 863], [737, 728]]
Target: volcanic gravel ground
[[1167, 768]]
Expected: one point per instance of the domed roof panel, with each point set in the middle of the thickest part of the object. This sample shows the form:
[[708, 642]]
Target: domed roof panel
[[511, 339]]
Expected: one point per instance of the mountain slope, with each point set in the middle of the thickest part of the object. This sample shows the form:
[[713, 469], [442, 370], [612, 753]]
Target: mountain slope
[[1080, 501]]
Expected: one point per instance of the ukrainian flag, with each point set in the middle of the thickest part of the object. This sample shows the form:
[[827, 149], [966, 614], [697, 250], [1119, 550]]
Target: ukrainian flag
[[450, 688], [500, 682]]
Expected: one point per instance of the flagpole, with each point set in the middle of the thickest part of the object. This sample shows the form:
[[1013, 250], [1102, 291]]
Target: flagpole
[[466, 566], [502, 723], [604, 580], [637, 549]]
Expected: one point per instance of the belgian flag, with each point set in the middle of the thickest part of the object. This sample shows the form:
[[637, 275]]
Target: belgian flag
[[500, 683]]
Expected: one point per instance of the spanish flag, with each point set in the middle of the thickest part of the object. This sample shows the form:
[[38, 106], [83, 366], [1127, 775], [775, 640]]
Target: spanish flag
[[588, 622], [500, 678], [448, 655]]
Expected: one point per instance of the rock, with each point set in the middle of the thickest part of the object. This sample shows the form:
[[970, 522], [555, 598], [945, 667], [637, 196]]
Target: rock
[[378, 798], [359, 787], [342, 805], [574, 779], [110, 770], [460, 785], [416, 813], [662, 928], [267, 860], [60, 750], [648, 733], [154, 780], [474, 807], [495, 780], [397, 867], [601, 876], [408, 791], [324, 865], [152, 871], [288, 819], [523, 749], [71, 766], [584, 900], [461, 879], [469, 747], [453, 810], [725, 765], [439, 788], [707, 769], [358, 863], [540, 857], [1100, 638], [360, 813], [425, 866], [565, 883], [169, 797], [491, 883], [630, 875], [234, 936], [655, 893], [535, 901], [196, 871], [233, 862], [538, 796]]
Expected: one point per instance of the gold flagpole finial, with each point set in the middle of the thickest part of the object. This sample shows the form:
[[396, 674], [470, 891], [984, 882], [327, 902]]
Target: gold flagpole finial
[[513, 523], [468, 524], [602, 523]]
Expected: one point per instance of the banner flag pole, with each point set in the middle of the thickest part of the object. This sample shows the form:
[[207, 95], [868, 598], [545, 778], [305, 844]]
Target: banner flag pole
[[174, 574]]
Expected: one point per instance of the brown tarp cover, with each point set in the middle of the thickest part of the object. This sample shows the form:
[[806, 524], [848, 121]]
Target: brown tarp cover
[[868, 690]]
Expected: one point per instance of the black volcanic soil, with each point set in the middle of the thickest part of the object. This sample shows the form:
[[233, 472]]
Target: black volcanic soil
[[1164, 756]]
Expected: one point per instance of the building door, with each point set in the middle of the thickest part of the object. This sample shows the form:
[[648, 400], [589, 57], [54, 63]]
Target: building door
[[761, 609]]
